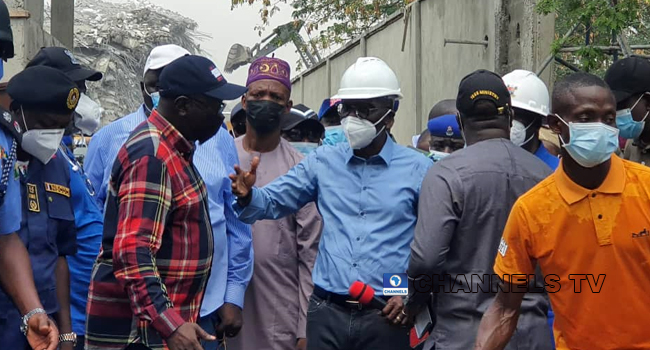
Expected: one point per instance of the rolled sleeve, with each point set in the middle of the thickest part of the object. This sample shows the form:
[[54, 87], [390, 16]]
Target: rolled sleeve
[[514, 254]]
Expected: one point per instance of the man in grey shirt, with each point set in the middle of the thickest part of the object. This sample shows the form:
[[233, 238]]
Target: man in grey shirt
[[464, 205]]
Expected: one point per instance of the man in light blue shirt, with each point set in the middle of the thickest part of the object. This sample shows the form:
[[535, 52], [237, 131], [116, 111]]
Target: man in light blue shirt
[[367, 193], [232, 265]]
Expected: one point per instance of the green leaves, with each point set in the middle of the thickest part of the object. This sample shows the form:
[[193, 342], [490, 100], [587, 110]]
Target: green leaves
[[329, 22], [599, 20]]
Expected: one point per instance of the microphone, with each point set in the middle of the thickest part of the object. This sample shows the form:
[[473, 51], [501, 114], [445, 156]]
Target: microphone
[[364, 294]]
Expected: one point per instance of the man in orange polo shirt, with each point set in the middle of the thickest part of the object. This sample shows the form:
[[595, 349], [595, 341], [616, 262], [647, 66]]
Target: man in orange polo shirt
[[587, 228]]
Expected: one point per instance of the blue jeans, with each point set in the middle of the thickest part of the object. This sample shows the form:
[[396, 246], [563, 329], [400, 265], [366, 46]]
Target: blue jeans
[[209, 324]]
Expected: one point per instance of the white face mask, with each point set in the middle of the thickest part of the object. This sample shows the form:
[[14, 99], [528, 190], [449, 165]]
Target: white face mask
[[88, 115], [361, 132], [518, 133], [41, 143]]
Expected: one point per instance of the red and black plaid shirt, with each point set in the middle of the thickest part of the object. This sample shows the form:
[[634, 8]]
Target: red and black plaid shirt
[[157, 248]]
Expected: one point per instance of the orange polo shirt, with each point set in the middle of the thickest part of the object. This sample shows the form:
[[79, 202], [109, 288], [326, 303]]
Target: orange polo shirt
[[597, 244]]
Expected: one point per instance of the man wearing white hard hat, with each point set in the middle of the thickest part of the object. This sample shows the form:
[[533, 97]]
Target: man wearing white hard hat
[[530, 102], [367, 193], [232, 265]]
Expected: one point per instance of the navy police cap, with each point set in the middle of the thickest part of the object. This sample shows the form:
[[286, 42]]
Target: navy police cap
[[196, 75], [44, 88], [445, 126]]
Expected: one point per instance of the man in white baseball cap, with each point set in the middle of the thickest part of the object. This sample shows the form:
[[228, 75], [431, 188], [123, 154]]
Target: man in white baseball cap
[[232, 264], [108, 140]]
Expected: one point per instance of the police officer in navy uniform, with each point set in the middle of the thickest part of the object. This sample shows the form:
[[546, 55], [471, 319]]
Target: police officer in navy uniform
[[15, 267], [89, 220], [43, 101]]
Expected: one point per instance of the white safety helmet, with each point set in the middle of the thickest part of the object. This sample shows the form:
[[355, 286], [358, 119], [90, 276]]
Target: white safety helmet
[[527, 91], [368, 78]]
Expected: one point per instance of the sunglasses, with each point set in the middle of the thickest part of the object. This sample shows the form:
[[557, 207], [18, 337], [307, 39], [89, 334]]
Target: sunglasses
[[362, 111]]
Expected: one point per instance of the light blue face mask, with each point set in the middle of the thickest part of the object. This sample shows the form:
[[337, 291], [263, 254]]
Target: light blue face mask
[[304, 147], [155, 98], [628, 127], [437, 155], [590, 144], [334, 135]]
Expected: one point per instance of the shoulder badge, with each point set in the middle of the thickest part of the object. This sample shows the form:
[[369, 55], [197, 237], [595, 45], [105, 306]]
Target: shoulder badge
[[17, 127], [7, 116], [73, 98]]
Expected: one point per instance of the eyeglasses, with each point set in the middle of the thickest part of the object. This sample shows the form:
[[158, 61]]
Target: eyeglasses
[[362, 111], [298, 135], [222, 105]]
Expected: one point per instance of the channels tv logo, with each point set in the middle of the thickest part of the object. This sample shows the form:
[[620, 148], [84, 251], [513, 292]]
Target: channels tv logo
[[395, 284]]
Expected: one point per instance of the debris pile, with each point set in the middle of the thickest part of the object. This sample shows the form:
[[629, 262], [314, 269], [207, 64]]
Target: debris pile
[[115, 39]]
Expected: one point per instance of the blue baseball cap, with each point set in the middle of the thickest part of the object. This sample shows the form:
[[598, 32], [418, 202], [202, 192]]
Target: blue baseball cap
[[327, 105], [196, 75], [445, 126]]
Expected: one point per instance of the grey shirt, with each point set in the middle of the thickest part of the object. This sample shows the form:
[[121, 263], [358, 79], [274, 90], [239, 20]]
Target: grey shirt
[[464, 204]]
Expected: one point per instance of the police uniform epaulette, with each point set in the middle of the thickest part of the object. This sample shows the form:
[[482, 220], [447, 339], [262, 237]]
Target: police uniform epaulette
[[10, 124]]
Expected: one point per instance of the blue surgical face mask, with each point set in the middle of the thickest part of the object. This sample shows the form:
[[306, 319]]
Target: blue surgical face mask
[[630, 128], [2, 68], [155, 98], [334, 135], [437, 155], [590, 144], [304, 147]]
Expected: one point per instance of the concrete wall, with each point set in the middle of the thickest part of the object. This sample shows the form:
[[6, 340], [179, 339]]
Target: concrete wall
[[430, 69], [28, 32]]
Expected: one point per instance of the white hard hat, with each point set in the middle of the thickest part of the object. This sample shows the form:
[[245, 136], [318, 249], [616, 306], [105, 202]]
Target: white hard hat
[[368, 78], [527, 91]]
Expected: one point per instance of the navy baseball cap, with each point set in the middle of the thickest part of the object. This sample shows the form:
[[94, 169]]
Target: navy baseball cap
[[628, 77], [63, 60], [482, 85], [43, 88], [196, 75]]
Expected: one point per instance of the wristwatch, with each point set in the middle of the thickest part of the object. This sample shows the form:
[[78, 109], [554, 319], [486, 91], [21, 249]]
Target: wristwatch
[[23, 325], [68, 338]]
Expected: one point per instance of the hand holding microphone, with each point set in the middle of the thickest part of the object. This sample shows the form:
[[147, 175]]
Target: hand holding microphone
[[393, 309]]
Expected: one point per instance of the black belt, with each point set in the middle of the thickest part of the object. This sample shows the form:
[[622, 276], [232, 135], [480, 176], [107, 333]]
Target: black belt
[[341, 299]]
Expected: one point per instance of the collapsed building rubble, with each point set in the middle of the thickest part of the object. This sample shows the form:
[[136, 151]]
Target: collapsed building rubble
[[115, 39]]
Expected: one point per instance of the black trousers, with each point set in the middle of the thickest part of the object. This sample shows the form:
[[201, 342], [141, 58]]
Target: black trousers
[[334, 327]]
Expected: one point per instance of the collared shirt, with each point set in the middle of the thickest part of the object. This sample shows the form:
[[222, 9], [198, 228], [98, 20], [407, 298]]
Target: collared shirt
[[103, 149], [215, 159], [464, 205], [603, 234], [89, 223], [369, 209], [157, 249], [10, 206], [550, 160], [637, 153]]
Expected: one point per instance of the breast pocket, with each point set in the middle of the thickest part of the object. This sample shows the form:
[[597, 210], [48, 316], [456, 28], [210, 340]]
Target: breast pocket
[[61, 220]]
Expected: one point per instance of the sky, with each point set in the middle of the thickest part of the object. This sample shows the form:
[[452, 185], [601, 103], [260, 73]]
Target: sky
[[226, 27]]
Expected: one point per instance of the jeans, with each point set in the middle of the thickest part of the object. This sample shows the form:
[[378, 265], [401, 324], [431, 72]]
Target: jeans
[[334, 327]]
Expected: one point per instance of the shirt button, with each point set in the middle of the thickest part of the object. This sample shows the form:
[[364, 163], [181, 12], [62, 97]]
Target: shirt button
[[365, 188], [358, 238], [354, 265], [593, 195], [362, 214], [600, 216]]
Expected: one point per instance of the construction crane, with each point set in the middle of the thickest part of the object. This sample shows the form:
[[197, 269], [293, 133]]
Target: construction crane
[[240, 55]]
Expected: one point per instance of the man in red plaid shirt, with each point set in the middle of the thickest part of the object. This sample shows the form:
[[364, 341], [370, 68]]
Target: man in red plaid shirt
[[150, 276]]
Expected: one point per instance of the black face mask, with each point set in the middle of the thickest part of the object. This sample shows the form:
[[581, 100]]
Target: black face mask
[[264, 116]]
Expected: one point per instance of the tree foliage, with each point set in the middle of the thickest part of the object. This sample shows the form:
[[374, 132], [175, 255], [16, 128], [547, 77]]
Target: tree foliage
[[329, 23], [599, 21]]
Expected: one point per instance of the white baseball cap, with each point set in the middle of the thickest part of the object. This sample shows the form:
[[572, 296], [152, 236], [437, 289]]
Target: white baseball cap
[[163, 55]]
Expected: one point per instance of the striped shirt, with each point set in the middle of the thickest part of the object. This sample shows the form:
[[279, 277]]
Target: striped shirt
[[232, 267], [157, 248]]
